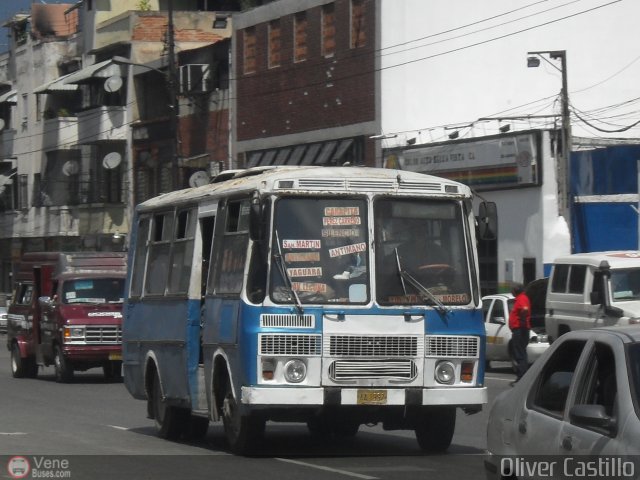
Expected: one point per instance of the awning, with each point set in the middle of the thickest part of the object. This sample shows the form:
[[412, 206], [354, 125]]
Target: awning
[[104, 69], [331, 152], [57, 85], [9, 97]]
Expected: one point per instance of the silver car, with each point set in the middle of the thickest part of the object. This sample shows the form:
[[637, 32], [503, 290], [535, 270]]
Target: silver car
[[579, 403], [3, 319], [496, 310]]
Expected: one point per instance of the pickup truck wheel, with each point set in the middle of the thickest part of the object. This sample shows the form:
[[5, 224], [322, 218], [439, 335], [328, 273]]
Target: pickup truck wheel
[[434, 431], [62, 366], [18, 369], [170, 420], [112, 371], [242, 431]]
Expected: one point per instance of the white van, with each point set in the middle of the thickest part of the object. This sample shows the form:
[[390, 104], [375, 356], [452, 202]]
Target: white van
[[593, 290]]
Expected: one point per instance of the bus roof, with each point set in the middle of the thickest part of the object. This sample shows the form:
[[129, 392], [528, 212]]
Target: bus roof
[[315, 179]]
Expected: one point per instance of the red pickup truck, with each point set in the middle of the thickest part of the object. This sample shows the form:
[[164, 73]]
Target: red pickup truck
[[66, 311]]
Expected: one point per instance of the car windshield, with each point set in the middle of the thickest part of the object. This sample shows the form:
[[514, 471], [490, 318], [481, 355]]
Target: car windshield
[[93, 290], [426, 240], [625, 284], [634, 368]]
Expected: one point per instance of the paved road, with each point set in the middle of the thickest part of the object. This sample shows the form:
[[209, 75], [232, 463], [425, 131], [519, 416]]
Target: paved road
[[102, 432]]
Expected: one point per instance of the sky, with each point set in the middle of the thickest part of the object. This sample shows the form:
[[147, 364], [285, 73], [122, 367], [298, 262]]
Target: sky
[[449, 64]]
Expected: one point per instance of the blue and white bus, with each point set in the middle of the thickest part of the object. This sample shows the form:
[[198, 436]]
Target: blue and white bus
[[335, 296]]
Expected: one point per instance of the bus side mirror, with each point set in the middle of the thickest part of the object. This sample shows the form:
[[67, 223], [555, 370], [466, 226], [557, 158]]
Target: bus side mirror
[[488, 221], [256, 224]]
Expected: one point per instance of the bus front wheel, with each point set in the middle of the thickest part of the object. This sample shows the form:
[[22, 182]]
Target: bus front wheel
[[169, 420], [435, 427], [242, 431]]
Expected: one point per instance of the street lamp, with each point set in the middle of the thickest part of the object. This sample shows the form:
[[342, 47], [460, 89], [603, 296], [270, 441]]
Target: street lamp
[[533, 60]]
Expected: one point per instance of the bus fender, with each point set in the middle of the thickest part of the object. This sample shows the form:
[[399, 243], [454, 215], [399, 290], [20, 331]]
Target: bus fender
[[220, 365]]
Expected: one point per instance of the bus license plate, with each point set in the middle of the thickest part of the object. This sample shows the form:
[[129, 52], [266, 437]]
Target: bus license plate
[[372, 397], [115, 356]]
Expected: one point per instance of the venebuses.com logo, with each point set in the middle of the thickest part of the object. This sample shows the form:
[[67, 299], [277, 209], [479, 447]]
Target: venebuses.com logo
[[18, 467], [38, 467]]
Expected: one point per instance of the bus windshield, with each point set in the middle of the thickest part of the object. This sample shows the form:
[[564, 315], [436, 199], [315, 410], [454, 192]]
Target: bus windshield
[[421, 253], [320, 252]]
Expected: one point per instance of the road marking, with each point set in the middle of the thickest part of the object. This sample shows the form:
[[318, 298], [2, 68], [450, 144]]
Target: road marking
[[327, 469], [118, 428], [13, 433]]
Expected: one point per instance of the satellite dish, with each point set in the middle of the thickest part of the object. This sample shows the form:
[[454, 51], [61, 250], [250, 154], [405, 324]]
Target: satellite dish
[[1, 123], [199, 179], [111, 160], [70, 167], [113, 83]]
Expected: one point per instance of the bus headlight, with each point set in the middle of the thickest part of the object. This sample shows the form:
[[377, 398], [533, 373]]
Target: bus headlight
[[295, 371], [445, 373]]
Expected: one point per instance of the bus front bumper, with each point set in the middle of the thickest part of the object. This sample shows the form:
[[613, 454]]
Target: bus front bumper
[[318, 396]]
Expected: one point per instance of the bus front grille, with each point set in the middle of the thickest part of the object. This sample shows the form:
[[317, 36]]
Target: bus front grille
[[372, 346], [452, 346], [401, 370], [285, 344], [287, 321]]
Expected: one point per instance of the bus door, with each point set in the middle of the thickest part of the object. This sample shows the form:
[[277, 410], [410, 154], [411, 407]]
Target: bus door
[[229, 257]]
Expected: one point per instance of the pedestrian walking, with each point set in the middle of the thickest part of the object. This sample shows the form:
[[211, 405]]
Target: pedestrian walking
[[520, 325]]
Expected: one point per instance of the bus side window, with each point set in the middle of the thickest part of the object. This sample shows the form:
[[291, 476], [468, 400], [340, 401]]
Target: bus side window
[[139, 260], [159, 249]]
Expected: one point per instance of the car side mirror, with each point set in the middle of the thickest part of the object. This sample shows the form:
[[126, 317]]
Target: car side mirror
[[488, 221], [592, 416], [45, 301]]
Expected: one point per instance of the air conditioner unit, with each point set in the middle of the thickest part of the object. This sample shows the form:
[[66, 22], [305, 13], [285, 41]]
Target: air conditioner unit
[[195, 78]]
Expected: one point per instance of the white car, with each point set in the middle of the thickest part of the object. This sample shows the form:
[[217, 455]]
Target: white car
[[3, 319], [575, 409], [496, 310]]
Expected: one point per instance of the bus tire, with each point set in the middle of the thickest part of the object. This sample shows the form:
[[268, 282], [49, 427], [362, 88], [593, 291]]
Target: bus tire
[[242, 431], [62, 367], [434, 431], [170, 420]]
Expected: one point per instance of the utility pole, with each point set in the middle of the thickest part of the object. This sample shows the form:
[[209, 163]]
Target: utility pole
[[563, 167], [173, 100]]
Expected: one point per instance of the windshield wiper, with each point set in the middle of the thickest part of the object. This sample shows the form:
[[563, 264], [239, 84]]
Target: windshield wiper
[[285, 275], [422, 290]]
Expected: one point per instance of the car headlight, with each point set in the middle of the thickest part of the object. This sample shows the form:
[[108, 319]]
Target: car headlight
[[540, 338], [445, 373], [73, 333], [295, 371]]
